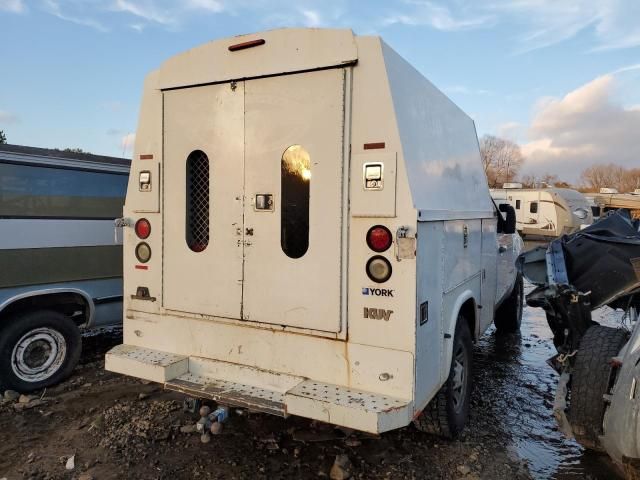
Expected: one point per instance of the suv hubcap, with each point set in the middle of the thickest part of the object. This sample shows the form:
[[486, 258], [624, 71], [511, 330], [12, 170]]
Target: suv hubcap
[[38, 354]]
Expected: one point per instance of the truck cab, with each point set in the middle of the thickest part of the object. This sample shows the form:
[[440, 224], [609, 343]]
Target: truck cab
[[309, 232]]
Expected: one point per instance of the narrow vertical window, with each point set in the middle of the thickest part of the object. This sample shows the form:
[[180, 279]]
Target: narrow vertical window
[[197, 218], [295, 187]]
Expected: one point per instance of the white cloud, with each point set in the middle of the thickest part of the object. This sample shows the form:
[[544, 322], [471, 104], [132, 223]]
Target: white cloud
[[311, 18], [127, 142], [584, 127], [210, 5], [167, 13], [464, 90], [440, 17], [53, 7], [511, 130], [542, 23], [13, 6], [145, 9], [8, 118], [547, 22]]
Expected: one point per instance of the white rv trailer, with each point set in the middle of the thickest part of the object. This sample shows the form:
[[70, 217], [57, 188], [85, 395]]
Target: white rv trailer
[[546, 212], [309, 231], [609, 199], [60, 267]]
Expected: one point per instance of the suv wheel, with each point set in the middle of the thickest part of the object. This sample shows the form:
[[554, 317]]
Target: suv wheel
[[38, 349]]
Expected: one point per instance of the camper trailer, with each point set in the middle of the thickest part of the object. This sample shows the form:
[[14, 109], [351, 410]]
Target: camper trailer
[[609, 199], [60, 267], [546, 212], [291, 241]]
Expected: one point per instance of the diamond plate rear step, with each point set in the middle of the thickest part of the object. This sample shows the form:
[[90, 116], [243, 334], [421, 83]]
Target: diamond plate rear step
[[230, 393], [269, 392]]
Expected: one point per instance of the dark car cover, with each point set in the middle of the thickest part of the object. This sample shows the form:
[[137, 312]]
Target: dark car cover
[[604, 258]]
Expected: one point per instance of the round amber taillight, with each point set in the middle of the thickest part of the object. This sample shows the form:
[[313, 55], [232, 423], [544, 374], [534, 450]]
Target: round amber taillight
[[379, 269], [143, 252]]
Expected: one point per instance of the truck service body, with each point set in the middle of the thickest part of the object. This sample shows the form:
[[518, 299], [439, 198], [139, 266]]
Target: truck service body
[[319, 224]]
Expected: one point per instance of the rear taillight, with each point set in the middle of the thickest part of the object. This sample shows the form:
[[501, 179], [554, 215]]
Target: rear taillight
[[143, 252], [143, 228], [379, 269], [379, 238]]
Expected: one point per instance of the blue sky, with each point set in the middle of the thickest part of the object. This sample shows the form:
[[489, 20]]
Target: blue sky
[[560, 77]]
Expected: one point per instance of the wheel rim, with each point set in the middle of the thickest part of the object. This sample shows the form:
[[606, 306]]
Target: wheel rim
[[459, 383], [38, 354]]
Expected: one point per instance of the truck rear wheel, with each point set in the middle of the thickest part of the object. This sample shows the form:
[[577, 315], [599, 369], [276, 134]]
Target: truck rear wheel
[[38, 349], [447, 413], [508, 316], [591, 378]]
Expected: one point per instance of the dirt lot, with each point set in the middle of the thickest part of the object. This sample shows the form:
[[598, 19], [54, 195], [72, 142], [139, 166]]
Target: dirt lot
[[117, 427]]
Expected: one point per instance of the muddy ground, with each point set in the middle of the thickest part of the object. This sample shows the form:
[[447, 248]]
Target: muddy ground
[[118, 427]]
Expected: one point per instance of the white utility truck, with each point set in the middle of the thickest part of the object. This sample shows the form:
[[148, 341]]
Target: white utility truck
[[309, 231]]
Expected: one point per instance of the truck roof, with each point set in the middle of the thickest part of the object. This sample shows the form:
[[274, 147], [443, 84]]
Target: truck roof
[[6, 151]]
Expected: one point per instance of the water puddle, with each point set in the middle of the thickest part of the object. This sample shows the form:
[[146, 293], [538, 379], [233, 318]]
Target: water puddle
[[515, 387]]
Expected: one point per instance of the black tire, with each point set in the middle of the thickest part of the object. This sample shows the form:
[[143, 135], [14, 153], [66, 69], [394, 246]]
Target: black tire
[[447, 413], [591, 378], [38, 349], [508, 317]]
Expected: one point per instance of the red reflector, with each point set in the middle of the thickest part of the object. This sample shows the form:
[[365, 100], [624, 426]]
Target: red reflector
[[146, 156], [374, 146], [142, 267], [379, 238], [143, 228], [249, 44]]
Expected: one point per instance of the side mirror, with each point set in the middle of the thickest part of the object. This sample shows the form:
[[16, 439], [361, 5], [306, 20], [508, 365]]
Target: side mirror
[[508, 224]]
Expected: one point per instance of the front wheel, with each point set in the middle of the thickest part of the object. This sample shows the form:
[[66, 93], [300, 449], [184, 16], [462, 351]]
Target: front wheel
[[447, 413], [38, 349], [508, 316]]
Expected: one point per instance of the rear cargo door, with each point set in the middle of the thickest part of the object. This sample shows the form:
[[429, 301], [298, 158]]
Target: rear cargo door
[[294, 128], [203, 188]]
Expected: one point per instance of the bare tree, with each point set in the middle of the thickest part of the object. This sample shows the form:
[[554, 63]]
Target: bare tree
[[611, 175], [3, 137], [544, 180], [501, 159]]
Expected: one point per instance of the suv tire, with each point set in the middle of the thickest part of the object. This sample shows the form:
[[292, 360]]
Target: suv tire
[[38, 349], [591, 378]]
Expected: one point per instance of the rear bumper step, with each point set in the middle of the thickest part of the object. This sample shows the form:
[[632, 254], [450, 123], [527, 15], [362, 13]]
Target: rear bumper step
[[276, 394]]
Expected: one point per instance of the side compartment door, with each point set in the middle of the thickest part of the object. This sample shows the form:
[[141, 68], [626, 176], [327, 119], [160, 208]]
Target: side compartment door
[[294, 126], [202, 205], [491, 256]]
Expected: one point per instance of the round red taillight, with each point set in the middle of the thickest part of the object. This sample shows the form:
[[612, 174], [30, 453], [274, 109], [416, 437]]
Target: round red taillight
[[379, 238], [143, 228]]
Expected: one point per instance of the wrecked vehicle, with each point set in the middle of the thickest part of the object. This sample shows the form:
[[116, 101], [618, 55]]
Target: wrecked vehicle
[[597, 398], [309, 232]]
